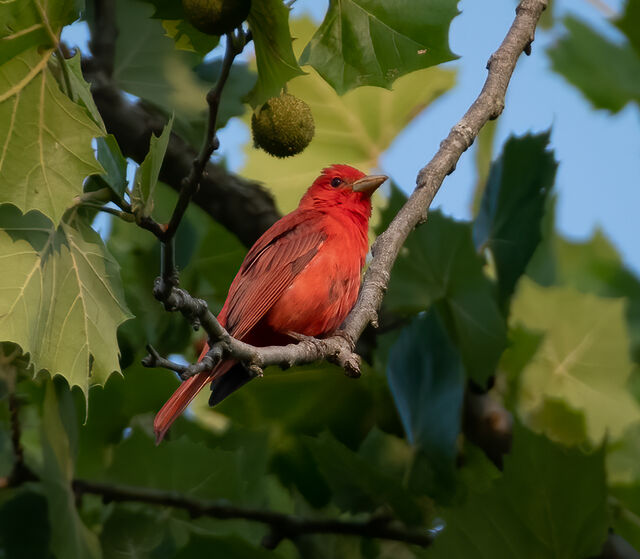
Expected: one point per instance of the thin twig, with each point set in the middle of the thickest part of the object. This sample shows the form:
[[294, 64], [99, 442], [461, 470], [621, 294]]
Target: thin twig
[[282, 526]]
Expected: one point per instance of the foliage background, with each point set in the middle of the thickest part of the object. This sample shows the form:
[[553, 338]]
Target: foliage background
[[554, 322]]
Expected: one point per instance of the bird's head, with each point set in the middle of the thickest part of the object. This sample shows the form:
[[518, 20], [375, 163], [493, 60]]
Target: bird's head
[[342, 185]]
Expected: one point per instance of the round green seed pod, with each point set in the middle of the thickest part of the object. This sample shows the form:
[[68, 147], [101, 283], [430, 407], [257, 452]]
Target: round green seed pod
[[283, 126], [216, 17]]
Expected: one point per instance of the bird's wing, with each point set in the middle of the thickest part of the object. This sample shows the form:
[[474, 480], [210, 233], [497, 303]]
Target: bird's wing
[[270, 268]]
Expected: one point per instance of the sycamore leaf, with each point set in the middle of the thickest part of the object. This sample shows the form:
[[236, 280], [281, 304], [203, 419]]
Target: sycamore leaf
[[606, 73], [550, 502], [355, 128], [628, 23], [583, 359], [22, 26], [62, 299], [269, 24], [427, 382], [114, 164], [69, 536], [147, 174], [45, 138], [374, 42], [448, 274], [514, 201]]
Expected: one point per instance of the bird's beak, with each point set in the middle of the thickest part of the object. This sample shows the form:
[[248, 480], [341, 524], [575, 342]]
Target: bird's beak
[[368, 184]]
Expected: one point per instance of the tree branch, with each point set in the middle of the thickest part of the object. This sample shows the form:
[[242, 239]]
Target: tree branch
[[339, 348], [282, 526]]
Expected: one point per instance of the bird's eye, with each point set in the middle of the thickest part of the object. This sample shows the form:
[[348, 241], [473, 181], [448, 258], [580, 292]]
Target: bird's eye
[[335, 182]]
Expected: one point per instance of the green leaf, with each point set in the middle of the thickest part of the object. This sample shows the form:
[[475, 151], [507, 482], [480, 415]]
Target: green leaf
[[62, 299], [24, 527], [269, 24], [593, 266], [228, 547], [80, 89], [69, 536], [357, 485], [483, 156], [185, 35], [133, 534], [114, 165], [449, 274], [148, 65], [357, 127], [240, 81], [373, 42], [22, 26], [582, 360], [607, 74], [147, 174], [427, 382], [514, 201], [45, 138], [186, 466], [550, 502], [629, 23]]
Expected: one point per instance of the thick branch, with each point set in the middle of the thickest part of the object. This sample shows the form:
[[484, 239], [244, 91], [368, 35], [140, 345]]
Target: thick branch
[[282, 526], [340, 347]]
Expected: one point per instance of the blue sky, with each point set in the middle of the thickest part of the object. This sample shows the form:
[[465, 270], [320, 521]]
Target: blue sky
[[598, 180]]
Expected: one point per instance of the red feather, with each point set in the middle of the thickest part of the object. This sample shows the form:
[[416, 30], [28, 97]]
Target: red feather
[[302, 275]]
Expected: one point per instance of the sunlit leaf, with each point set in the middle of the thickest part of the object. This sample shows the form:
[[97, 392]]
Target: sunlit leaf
[[45, 138], [583, 359], [373, 42], [63, 300]]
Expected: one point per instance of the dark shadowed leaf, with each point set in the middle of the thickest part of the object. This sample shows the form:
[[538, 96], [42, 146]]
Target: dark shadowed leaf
[[227, 547], [69, 535], [606, 73], [629, 23], [551, 502], [439, 265], [24, 526], [269, 24], [427, 382], [372, 42], [357, 485], [114, 165], [514, 200]]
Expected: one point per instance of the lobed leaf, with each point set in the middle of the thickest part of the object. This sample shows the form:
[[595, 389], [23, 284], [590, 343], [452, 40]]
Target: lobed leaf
[[583, 360], [550, 502], [62, 300], [607, 74], [448, 274], [373, 42], [514, 201], [45, 138], [269, 24]]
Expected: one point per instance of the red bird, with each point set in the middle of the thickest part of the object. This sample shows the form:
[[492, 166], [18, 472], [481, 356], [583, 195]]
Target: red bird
[[301, 276]]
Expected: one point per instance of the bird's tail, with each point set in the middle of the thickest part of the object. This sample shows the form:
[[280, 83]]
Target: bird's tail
[[183, 396]]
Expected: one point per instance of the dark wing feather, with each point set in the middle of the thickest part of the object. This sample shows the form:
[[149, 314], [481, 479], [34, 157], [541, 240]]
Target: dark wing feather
[[270, 268]]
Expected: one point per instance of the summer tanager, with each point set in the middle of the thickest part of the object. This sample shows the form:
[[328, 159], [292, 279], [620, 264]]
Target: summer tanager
[[302, 276]]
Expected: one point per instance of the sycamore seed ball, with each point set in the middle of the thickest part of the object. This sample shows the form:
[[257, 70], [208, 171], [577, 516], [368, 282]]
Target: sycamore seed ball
[[283, 126], [216, 17]]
